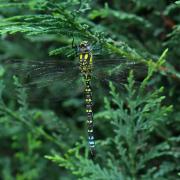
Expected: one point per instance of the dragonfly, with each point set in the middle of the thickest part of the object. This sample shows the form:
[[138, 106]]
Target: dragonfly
[[90, 68]]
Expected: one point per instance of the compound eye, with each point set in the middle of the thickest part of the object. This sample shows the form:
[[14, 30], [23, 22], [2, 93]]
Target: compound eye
[[82, 45]]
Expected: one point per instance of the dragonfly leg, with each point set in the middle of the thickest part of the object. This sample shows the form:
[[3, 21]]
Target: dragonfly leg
[[75, 46]]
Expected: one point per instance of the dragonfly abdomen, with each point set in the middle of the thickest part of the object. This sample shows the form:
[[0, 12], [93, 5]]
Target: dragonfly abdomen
[[89, 111]]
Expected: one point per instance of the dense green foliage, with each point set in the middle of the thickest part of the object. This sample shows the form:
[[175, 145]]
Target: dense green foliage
[[137, 127]]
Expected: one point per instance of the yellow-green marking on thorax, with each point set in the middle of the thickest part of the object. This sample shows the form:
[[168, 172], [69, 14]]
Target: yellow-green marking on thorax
[[85, 58]]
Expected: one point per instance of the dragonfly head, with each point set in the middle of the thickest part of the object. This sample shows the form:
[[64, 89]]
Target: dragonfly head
[[84, 47]]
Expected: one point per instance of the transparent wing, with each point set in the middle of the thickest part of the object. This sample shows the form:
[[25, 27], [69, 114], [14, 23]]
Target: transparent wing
[[48, 74], [65, 73], [111, 62], [117, 71], [43, 72]]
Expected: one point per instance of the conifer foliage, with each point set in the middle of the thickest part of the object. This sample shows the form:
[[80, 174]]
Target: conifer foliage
[[137, 126]]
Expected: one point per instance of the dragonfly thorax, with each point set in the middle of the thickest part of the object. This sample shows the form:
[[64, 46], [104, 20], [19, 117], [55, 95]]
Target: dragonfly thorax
[[85, 58]]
